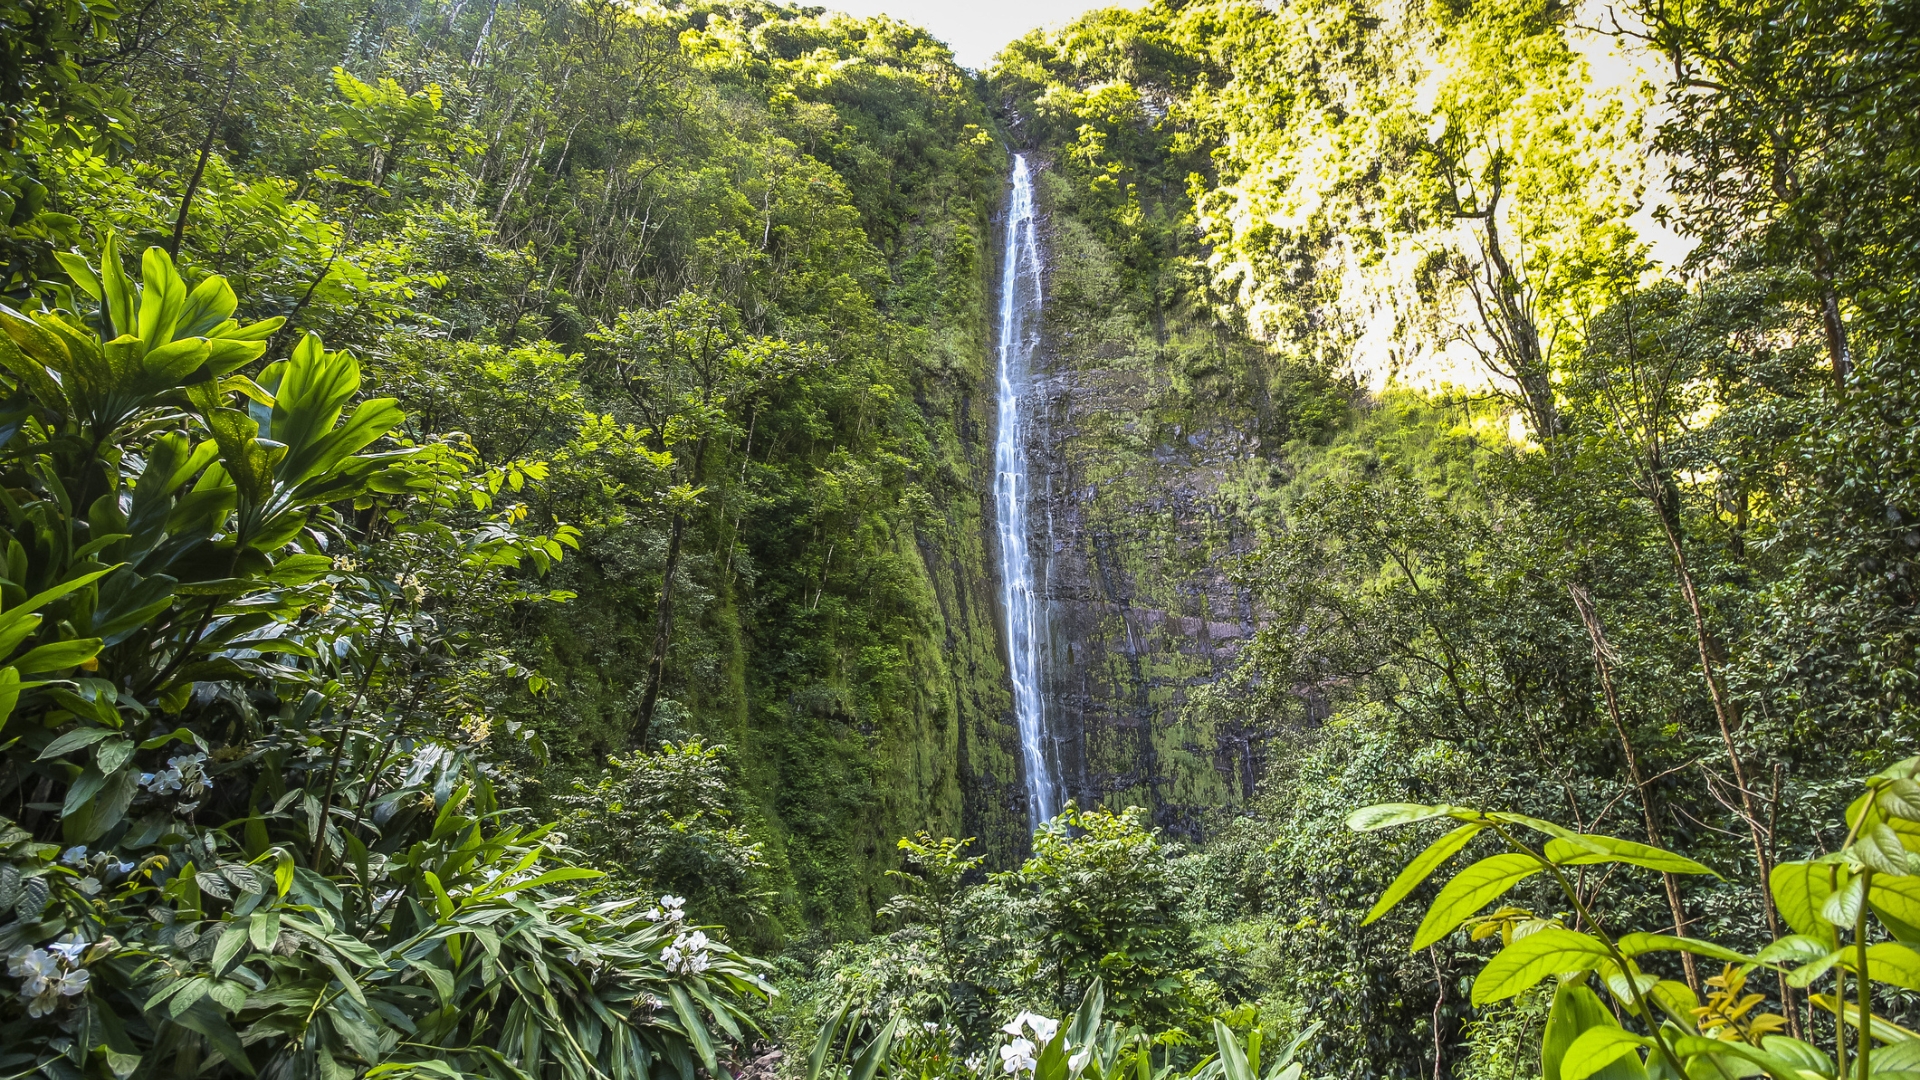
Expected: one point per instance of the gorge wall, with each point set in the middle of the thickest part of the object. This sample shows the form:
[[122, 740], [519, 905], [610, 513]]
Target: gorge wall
[[1146, 463]]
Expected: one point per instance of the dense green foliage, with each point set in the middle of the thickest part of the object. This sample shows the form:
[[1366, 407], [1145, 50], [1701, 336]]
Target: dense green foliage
[[398, 704]]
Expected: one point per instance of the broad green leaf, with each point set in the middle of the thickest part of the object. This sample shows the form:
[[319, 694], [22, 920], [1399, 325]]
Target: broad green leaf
[[211, 303], [233, 941], [1804, 1055], [1051, 1063], [58, 655], [194, 989], [1843, 907], [230, 995], [1085, 1025], [1793, 949], [118, 303], [1890, 962], [1387, 815], [1575, 1009], [1637, 944], [1879, 848], [1901, 1056], [1806, 974], [441, 900], [1536, 824], [823, 1041], [74, 740], [1529, 959], [1896, 901], [1676, 999], [1233, 1060], [1422, 867], [1800, 889], [551, 877], [79, 272], [697, 1034], [876, 1053], [42, 599], [1695, 1046], [263, 929], [163, 298], [1586, 849], [1599, 1048], [1469, 891], [10, 687]]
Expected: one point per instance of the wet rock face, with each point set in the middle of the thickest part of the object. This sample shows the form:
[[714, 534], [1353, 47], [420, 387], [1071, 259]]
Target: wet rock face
[[1145, 461]]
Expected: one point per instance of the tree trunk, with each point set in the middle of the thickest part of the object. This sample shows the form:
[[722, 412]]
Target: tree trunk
[[663, 615], [200, 166], [662, 635], [1602, 662], [1723, 714]]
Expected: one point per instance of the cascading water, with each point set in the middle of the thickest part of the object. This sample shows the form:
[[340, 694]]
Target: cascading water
[[1026, 627]]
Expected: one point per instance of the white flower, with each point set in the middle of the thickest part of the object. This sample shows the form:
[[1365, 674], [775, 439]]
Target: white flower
[[33, 967], [930, 1027], [89, 885], [47, 975], [669, 910], [185, 773], [1080, 1058], [74, 856], [687, 955], [47, 999], [1016, 1055], [1042, 1027], [73, 983], [191, 771]]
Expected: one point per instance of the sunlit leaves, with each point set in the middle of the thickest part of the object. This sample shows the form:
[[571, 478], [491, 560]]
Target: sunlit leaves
[[1529, 959]]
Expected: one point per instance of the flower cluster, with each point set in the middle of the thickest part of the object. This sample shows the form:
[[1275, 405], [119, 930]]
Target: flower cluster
[[96, 870], [49, 974], [1021, 1055], [687, 955], [670, 911], [185, 775]]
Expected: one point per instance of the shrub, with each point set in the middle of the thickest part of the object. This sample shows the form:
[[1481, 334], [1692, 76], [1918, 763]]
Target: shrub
[[230, 850]]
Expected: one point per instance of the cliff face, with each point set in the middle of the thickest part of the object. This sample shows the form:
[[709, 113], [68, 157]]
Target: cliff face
[[1157, 432]]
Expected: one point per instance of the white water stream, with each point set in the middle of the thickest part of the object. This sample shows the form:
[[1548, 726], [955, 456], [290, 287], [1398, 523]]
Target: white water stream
[[1026, 622]]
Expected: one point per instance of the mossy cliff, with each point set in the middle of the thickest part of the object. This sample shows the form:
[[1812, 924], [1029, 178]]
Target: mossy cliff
[[834, 609], [1158, 435]]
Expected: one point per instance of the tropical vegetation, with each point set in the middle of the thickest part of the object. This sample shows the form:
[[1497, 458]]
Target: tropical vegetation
[[498, 581]]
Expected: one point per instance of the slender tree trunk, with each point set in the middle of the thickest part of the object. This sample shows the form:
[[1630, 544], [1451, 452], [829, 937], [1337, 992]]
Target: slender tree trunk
[[1602, 662], [663, 616], [1722, 714], [200, 166], [1439, 1002], [662, 635], [1838, 352]]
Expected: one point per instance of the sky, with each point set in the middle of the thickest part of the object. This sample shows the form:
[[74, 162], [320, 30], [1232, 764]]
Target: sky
[[976, 28]]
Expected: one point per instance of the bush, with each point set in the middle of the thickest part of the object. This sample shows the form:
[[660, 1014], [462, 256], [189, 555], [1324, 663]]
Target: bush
[[252, 826]]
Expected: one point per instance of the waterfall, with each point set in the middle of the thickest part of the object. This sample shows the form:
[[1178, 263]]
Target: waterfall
[[1026, 626]]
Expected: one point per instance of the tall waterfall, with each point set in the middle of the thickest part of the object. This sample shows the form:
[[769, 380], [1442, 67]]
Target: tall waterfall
[[1026, 625]]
